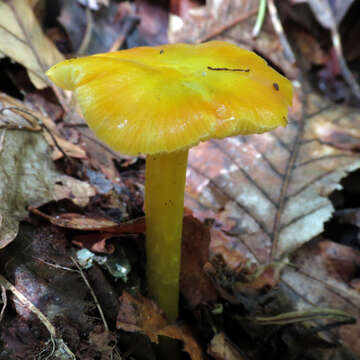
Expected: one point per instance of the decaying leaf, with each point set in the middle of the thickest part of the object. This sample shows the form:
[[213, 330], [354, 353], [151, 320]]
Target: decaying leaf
[[22, 39], [32, 120], [270, 192], [195, 284], [198, 23], [76, 221], [269, 195], [27, 176], [143, 315], [323, 275], [78, 191]]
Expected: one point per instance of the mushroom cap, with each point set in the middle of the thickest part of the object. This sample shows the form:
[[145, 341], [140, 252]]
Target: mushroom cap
[[165, 98]]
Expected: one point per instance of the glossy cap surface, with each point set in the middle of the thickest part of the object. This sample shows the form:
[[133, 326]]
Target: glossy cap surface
[[162, 99]]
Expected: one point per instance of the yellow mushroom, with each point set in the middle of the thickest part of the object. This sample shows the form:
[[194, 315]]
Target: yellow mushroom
[[162, 100]]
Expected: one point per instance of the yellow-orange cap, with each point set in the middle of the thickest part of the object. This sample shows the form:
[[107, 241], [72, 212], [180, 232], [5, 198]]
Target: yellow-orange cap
[[165, 98]]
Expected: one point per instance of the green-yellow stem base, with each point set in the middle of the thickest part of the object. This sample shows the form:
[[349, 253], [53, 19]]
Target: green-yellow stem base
[[164, 208]]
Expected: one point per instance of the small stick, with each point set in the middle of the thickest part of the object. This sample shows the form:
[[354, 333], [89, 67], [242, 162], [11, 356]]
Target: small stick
[[106, 327], [347, 74], [44, 320], [88, 31], [280, 31], [4, 300]]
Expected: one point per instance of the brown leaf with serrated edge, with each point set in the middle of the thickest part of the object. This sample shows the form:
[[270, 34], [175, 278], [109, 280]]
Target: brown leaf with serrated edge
[[270, 192], [22, 39], [144, 315]]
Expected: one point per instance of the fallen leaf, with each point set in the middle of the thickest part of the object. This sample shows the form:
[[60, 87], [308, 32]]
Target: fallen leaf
[[28, 176], [140, 314], [87, 223], [143, 315], [195, 284], [76, 221], [270, 192], [95, 242], [322, 277], [269, 195], [78, 191], [221, 348], [213, 18], [184, 334], [24, 117], [22, 39]]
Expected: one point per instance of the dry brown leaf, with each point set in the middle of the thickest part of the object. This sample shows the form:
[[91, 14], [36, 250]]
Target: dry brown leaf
[[143, 315], [21, 115], [270, 192], [221, 348], [78, 191], [28, 176], [76, 221], [95, 242], [184, 334], [195, 284], [199, 23], [323, 276], [22, 39]]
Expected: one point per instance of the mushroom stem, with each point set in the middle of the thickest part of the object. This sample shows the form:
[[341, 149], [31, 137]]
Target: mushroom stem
[[164, 209]]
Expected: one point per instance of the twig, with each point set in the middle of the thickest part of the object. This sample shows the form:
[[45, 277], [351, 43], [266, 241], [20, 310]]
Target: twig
[[2, 138], [226, 27], [57, 342], [88, 31], [280, 31], [260, 19], [106, 327], [348, 76], [4, 300], [55, 265], [129, 26], [117, 43]]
